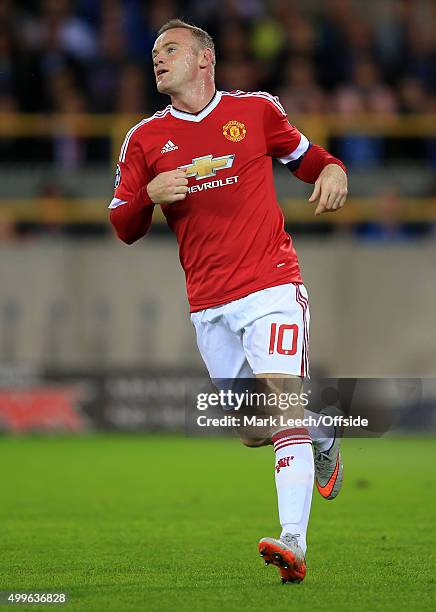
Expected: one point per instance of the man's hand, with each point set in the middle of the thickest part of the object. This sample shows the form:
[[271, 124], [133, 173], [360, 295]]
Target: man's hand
[[168, 187], [330, 189]]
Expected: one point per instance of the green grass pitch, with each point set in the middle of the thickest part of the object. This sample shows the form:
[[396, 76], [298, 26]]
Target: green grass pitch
[[130, 523]]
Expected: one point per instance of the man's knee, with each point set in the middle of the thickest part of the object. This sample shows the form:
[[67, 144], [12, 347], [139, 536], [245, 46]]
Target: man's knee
[[255, 442]]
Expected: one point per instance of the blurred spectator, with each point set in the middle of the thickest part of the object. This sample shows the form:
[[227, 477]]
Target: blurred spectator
[[131, 96], [7, 226], [103, 77], [365, 93], [16, 69], [300, 92], [9, 146], [232, 43], [390, 36], [376, 96], [58, 30], [412, 96], [388, 227], [52, 208], [240, 74], [333, 53], [360, 37], [51, 212], [237, 67], [67, 99], [268, 39], [302, 36], [421, 55], [141, 21]]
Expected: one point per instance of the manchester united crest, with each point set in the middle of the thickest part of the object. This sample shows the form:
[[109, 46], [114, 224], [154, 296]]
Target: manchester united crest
[[234, 131]]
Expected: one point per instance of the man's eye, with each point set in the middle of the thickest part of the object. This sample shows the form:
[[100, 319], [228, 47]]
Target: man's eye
[[171, 49]]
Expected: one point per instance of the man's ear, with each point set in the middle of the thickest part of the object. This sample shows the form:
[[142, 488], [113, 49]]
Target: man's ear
[[206, 58]]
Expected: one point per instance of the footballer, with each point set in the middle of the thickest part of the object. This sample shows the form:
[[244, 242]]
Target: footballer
[[206, 160]]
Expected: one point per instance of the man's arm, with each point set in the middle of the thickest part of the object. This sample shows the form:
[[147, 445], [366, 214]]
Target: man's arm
[[131, 209], [136, 192], [132, 219], [329, 174], [309, 162]]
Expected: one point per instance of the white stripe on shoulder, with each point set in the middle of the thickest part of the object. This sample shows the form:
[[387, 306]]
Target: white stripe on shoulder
[[297, 153], [257, 94], [116, 202], [159, 115]]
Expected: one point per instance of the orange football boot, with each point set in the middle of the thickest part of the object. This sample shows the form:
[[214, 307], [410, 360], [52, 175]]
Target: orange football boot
[[287, 555]]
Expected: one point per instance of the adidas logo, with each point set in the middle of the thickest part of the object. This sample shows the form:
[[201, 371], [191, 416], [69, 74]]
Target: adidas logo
[[169, 146]]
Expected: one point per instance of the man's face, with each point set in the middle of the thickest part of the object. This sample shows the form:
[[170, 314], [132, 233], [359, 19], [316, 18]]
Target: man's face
[[176, 60]]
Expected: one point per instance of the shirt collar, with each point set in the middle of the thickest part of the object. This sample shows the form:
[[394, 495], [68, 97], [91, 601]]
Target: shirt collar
[[197, 117]]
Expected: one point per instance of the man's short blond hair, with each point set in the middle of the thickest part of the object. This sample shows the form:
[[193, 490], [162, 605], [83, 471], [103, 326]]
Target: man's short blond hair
[[204, 40]]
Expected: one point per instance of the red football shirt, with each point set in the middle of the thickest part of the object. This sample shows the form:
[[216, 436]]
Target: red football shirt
[[230, 228]]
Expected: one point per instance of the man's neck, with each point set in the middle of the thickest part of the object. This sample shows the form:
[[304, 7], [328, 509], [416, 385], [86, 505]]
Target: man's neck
[[195, 99]]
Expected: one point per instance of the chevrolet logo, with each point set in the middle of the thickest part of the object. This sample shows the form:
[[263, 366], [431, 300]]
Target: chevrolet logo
[[203, 167]]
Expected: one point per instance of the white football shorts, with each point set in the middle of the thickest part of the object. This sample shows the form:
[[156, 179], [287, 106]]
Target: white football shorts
[[266, 332]]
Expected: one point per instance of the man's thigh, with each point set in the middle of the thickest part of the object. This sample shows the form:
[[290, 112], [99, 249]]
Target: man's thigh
[[276, 335], [221, 348]]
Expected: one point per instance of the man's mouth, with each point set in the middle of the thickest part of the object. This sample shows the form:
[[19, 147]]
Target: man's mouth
[[161, 71]]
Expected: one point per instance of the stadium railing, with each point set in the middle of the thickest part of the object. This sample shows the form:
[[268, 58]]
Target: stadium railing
[[321, 128]]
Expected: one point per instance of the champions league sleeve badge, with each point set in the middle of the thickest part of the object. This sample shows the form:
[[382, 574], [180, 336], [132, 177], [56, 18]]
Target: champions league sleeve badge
[[117, 176]]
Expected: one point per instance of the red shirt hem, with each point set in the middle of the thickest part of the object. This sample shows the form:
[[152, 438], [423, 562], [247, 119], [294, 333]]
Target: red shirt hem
[[237, 295]]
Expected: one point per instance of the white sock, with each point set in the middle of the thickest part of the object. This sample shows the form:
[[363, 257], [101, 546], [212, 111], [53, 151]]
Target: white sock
[[322, 436], [294, 475]]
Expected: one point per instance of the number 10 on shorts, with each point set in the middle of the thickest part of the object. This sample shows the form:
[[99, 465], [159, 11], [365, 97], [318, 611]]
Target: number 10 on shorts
[[280, 335]]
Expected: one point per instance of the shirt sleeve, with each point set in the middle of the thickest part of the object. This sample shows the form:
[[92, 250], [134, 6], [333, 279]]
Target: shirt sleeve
[[313, 163], [131, 209], [132, 172], [283, 141]]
